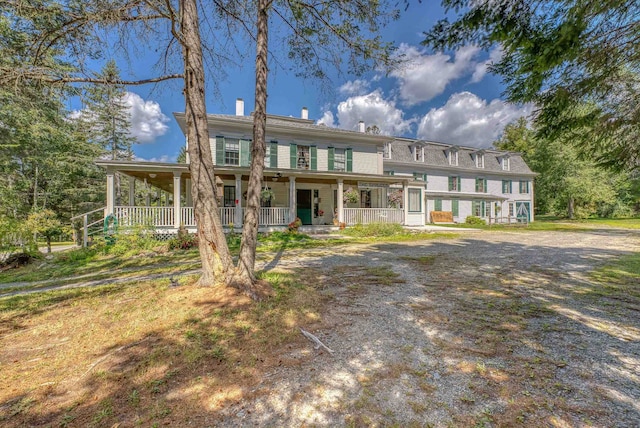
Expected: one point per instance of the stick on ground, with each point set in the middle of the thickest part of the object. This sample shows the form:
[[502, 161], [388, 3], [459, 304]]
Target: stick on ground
[[315, 340]]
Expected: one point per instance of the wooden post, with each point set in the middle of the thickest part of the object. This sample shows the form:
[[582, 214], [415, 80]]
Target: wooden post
[[176, 200]]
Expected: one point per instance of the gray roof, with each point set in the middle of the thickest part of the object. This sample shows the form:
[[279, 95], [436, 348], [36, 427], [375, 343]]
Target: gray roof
[[435, 155]]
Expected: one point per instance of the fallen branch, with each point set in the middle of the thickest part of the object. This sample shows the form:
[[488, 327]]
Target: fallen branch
[[315, 340]]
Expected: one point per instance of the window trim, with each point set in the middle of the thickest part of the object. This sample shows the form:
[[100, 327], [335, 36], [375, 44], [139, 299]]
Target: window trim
[[479, 160]]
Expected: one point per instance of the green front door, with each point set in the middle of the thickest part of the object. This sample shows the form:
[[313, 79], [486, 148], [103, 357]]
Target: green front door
[[303, 205], [522, 211]]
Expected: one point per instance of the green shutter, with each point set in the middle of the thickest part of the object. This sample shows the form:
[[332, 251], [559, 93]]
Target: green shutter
[[313, 150], [459, 184], [245, 152], [331, 154], [220, 150], [438, 205], [477, 184], [451, 183], [273, 154], [485, 187], [294, 156], [349, 155], [455, 209], [424, 177]]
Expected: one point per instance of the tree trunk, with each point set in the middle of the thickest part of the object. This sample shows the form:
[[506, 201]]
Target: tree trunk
[[571, 208], [48, 244], [217, 264], [247, 258]]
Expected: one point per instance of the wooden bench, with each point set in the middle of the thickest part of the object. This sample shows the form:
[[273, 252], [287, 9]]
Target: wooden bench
[[441, 217]]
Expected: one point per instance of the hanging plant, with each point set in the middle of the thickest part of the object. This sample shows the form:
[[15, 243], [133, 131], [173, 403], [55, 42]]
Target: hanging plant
[[351, 196], [395, 198], [267, 194]]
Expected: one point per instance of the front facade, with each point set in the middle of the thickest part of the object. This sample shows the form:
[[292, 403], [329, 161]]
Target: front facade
[[329, 176]]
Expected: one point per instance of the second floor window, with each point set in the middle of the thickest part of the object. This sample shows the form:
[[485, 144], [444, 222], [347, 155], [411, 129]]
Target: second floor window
[[481, 185], [505, 164], [455, 184], [418, 154], [506, 186], [524, 187], [231, 151], [339, 160], [453, 157], [304, 159]]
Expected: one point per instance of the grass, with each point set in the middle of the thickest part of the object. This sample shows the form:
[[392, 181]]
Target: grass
[[551, 223], [144, 352]]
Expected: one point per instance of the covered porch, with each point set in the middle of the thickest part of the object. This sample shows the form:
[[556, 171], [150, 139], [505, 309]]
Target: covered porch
[[160, 196]]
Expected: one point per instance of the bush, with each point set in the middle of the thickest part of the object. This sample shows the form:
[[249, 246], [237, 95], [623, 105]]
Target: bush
[[471, 219], [183, 240], [294, 225], [374, 229], [131, 241]]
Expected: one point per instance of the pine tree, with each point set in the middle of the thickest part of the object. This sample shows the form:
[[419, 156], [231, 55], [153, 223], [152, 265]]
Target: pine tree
[[107, 120]]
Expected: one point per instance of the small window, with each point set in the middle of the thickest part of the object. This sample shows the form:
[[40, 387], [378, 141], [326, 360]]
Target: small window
[[479, 160], [505, 164], [229, 196], [524, 187], [386, 151], [339, 160], [481, 185], [389, 173], [304, 158], [455, 184], [231, 151], [453, 157], [506, 186], [478, 208], [415, 200], [418, 154]]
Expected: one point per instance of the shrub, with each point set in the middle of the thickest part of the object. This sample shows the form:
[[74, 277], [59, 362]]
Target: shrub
[[294, 225], [183, 240], [133, 240], [471, 219], [374, 229]]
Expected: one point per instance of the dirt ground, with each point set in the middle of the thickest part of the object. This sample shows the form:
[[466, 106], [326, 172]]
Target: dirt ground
[[493, 329]]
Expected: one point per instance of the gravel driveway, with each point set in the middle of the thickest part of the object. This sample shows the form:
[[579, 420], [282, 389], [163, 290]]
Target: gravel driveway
[[495, 329]]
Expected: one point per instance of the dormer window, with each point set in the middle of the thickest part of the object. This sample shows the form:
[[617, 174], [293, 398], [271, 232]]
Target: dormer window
[[386, 151], [479, 160], [452, 156], [506, 165], [418, 154]]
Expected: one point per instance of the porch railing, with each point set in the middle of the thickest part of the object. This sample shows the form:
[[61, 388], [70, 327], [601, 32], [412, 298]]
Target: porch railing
[[151, 216], [373, 215], [274, 216]]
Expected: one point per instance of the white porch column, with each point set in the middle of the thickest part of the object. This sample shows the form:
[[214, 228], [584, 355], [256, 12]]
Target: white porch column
[[340, 201], [405, 196], [111, 193], [237, 215], [292, 199], [176, 200], [147, 191], [132, 192], [188, 198]]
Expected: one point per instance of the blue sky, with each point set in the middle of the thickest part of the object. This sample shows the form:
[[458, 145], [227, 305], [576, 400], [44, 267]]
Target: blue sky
[[448, 97]]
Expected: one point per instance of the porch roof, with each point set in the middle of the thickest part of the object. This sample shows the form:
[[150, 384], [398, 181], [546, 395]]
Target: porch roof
[[465, 195], [160, 174]]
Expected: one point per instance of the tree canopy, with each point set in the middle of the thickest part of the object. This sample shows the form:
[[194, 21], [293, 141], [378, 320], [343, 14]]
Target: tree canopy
[[561, 54]]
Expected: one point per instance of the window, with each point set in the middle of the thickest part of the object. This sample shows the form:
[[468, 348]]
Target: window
[[487, 209], [510, 209], [524, 187], [303, 158], [231, 151], [386, 151], [339, 160], [452, 155], [229, 196], [478, 208], [418, 154], [505, 164], [365, 198], [481, 185], [415, 200], [479, 160], [437, 205], [455, 207], [506, 186], [455, 184]]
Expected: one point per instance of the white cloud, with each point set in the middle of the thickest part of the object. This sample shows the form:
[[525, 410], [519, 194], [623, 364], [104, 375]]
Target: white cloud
[[469, 121], [373, 109], [147, 120], [163, 159], [483, 67], [354, 87], [425, 76], [327, 119]]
